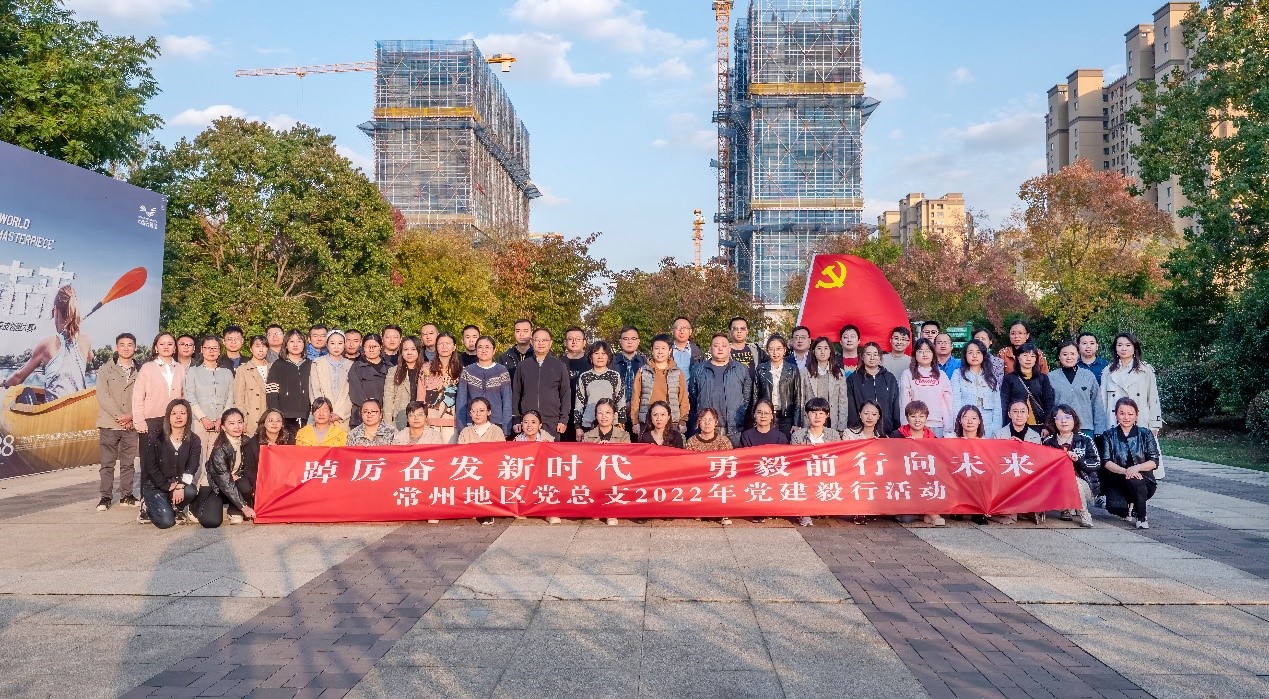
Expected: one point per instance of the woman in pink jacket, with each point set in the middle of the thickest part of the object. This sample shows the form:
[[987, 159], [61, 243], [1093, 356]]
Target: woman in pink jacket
[[160, 381], [924, 381]]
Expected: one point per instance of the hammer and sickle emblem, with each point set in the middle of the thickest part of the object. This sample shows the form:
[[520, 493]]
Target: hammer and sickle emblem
[[833, 280]]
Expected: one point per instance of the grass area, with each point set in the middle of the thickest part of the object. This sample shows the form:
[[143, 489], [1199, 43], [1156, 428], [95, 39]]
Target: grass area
[[1217, 441]]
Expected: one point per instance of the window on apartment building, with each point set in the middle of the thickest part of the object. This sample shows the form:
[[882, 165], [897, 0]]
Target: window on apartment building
[[1105, 164], [1077, 105], [1130, 55], [1165, 31], [1105, 98], [1169, 192], [1165, 47], [1105, 151]]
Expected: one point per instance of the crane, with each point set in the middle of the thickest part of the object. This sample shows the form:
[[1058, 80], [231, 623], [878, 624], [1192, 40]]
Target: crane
[[502, 59], [722, 117], [698, 222]]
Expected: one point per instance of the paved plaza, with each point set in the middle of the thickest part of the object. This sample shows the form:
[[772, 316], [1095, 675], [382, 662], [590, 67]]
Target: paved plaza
[[94, 605]]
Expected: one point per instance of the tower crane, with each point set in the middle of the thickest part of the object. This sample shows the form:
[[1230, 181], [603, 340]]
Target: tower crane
[[698, 222], [722, 117]]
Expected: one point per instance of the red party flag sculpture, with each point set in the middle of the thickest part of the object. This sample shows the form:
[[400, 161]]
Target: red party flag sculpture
[[848, 290]]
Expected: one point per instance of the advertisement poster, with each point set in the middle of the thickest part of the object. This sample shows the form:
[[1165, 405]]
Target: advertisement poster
[[81, 260]]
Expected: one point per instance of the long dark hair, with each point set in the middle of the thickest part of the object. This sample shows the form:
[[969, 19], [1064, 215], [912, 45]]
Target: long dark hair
[[402, 370], [221, 437], [988, 375], [813, 364], [982, 424], [285, 436], [1136, 350], [455, 368], [154, 352], [189, 412], [934, 359]]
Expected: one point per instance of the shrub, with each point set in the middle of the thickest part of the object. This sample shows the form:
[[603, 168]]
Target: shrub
[[1186, 391], [1242, 343], [1258, 417]]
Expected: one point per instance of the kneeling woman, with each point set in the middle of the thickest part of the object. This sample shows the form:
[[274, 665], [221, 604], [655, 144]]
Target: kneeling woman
[[1127, 475], [169, 462], [224, 471], [1065, 434]]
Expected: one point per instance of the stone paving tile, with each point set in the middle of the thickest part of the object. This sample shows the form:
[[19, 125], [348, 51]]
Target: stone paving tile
[[329, 634], [957, 634], [1239, 489], [1245, 550], [31, 503]]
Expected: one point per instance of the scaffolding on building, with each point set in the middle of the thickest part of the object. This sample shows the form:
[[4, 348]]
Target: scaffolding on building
[[796, 126], [448, 146]]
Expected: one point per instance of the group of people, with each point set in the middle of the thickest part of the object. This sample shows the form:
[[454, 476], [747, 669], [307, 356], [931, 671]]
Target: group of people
[[200, 409]]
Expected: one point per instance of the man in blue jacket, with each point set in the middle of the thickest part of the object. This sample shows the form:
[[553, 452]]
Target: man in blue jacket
[[723, 384]]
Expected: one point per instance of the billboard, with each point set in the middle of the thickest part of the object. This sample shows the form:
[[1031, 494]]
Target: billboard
[[81, 260]]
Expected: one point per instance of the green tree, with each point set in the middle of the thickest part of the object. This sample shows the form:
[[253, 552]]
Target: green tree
[[650, 301], [1085, 241], [1208, 127], [71, 92], [1243, 342], [444, 280], [267, 226], [552, 281]]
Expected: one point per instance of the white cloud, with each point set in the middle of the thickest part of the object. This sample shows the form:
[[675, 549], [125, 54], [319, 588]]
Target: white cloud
[[540, 56], [1009, 133], [279, 122], [548, 198], [896, 134], [185, 46], [145, 12], [202, 118], [611, 21], [688, 133], [961, 76], [670, 69], [360, 161], [883, 86], [874, 208]]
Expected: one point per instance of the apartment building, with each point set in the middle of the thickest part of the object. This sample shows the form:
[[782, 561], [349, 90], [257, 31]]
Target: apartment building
[[1087, 117], [943, 217]]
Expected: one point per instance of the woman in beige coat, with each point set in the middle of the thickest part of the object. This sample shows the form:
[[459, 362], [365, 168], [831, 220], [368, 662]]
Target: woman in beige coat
[[1127, 376], [249, 384], [329, 378]]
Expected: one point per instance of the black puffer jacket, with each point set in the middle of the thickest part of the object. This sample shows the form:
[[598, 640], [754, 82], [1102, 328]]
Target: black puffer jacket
[[1138, 446], [220, 466], [1089, 462]]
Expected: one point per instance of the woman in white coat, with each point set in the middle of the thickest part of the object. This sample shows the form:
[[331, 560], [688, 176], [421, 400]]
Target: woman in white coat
[[1127, 376], [974, 383]]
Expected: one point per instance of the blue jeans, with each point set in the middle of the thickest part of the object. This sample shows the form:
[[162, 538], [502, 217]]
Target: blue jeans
[[158, 504]]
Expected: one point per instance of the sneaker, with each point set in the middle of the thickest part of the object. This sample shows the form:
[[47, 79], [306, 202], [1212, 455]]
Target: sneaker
[[128, 501], [860, 520], [1086, 519], [553, 520], [235, 519], [485, 520], [1143, 524], [143, 517], [184, 516], [611, 521], [725, 521], [1101, 501], [805, 521], [935, 520], [1004, 519], [1065, 516], [104, 503]]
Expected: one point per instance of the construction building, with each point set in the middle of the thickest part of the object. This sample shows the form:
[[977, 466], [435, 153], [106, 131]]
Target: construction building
[[449, 149], [944, 217], [1087, 118], [790, 132]]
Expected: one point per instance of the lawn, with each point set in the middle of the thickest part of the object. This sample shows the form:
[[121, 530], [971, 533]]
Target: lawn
[[1220, 442]]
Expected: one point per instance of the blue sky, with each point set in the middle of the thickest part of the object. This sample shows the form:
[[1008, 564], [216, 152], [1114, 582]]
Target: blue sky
[[617, 94]]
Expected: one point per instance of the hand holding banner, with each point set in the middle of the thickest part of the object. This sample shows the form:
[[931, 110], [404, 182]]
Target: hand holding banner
[[874, 477]]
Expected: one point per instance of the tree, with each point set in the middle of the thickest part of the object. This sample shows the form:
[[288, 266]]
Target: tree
[[444, 279], [552, 281], [1085, 241], [270, 227], [71, 92], [710, 297], [1242, 343], [1208, 127], [960, 276]]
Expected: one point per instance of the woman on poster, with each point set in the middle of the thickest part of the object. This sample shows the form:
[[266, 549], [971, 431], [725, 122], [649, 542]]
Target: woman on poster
[[63, 355]]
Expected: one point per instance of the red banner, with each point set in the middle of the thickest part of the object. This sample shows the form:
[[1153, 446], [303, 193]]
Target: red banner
[[875, 477], [844, 289]]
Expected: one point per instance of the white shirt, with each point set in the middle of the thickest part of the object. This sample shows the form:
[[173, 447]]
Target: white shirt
[[169, 372], [813, 439], [776, 369]]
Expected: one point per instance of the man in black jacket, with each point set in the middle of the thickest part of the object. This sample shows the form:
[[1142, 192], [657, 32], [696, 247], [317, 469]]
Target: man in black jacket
[[541, 383], [520, 351]]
